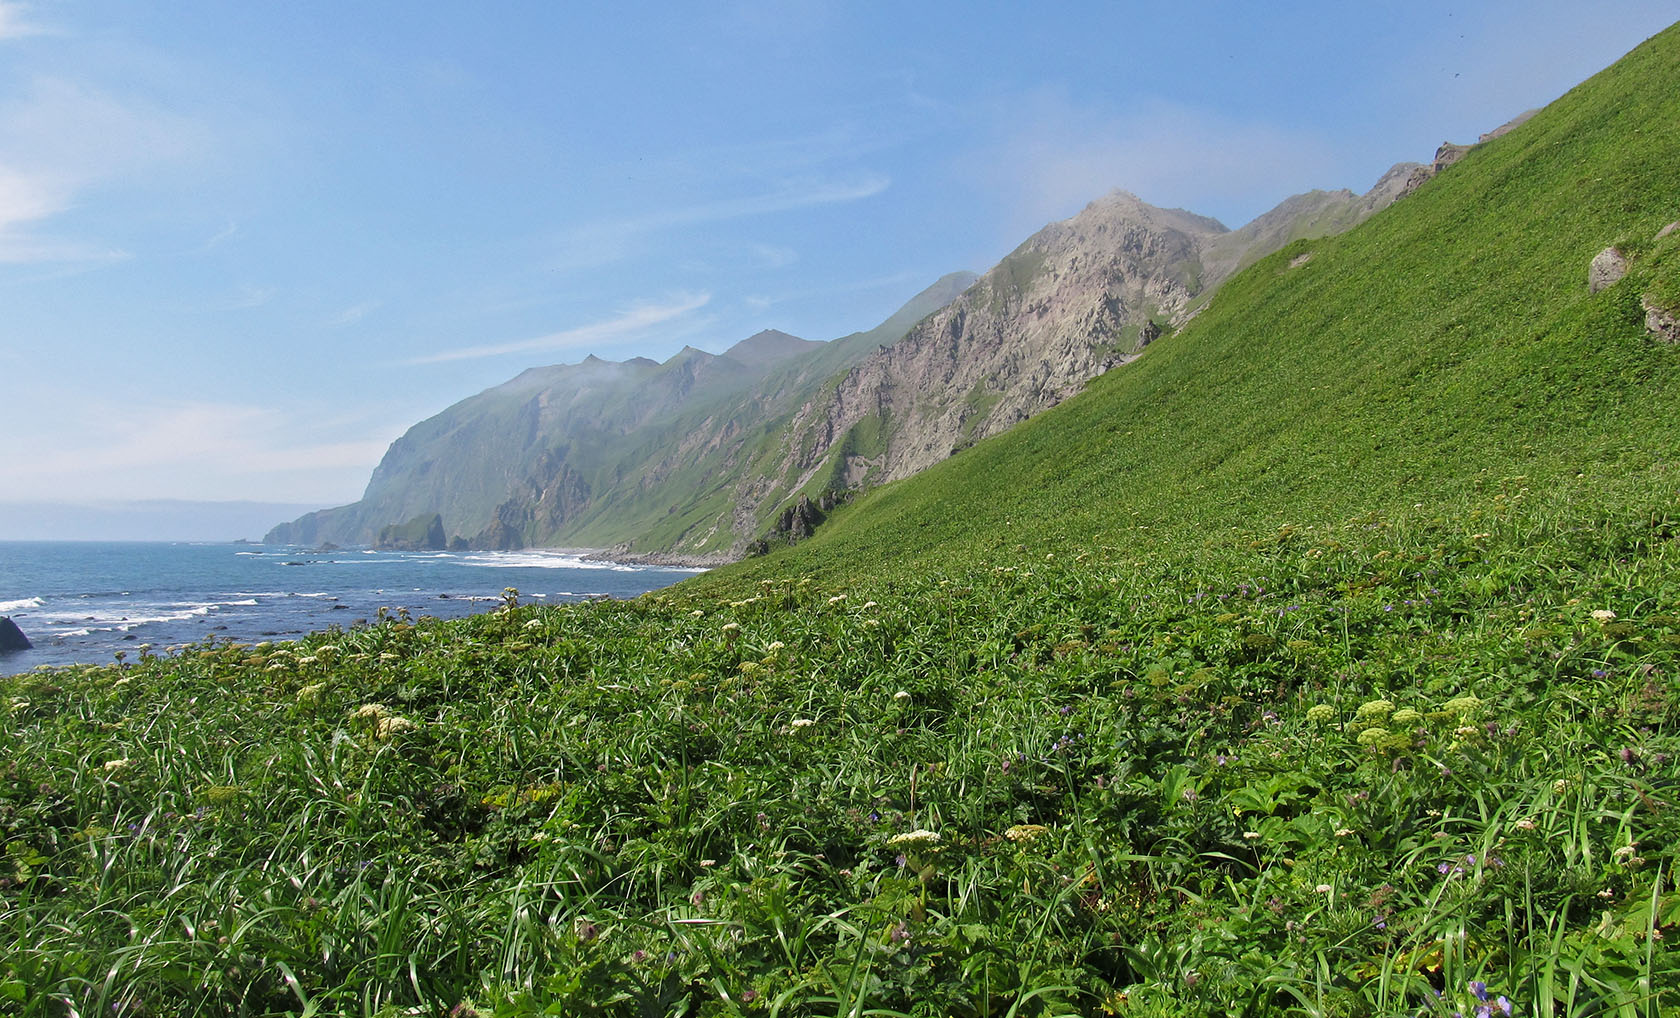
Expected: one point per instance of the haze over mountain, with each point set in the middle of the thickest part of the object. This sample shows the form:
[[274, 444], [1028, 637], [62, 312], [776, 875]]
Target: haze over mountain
[[695, 459]]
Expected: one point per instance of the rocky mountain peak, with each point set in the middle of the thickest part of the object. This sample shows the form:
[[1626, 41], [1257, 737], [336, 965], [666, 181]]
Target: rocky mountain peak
[[771, 346]]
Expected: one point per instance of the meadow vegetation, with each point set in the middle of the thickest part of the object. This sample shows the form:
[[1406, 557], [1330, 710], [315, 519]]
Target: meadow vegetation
[[1323, 661]]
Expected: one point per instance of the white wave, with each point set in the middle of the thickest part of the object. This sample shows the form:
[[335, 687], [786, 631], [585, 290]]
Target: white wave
[[7, 607], [122, 618], [541, 560]]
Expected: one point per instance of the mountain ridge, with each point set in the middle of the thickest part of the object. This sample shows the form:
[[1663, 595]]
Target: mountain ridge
[[691, 460]]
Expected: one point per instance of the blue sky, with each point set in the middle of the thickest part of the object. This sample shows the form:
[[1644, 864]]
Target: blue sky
[[243, 246]]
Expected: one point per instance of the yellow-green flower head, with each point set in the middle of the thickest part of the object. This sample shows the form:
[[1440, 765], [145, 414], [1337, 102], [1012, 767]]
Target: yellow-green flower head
[[1375, 709], [371, 712], [1373, 736], [1025, 832], [391, 727], [914, 839], [1406, 716], [1318, 714], [1462, 705]]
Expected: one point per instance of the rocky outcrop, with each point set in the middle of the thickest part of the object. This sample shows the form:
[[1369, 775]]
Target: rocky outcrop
[[11, 637], [1451, 152], [798, 520], [422, 533], [1661, 323], [1608, 266], [1445, 156]]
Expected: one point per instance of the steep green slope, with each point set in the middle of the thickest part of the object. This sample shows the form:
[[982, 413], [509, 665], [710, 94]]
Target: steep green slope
[[1449, 342]]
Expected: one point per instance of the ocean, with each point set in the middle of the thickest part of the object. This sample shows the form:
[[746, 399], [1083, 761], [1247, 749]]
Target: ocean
[[81, 602]]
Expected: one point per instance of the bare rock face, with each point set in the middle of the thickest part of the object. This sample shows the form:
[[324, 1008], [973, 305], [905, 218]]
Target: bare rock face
[[1448, 154], [1661, 323], [1607, 267], [1078, 298]]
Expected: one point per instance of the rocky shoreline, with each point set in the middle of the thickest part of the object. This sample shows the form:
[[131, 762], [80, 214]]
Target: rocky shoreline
[[624, 556]]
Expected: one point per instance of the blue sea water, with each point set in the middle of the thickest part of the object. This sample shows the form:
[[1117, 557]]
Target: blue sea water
[[80, 602]]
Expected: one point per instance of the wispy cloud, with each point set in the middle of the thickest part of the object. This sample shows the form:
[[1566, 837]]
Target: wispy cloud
[[193, 449], [27, 199], [610, 240], [59, 139], [15, 22], [226, 233], [629, 323], [791, 196], [352, 315]]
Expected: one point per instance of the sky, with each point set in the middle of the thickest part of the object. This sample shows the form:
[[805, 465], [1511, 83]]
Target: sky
[[244, 246]]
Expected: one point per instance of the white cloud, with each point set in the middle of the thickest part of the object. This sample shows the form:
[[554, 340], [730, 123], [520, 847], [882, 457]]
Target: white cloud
[[629, 323], [15, 23], [192, 450], [59, 142]]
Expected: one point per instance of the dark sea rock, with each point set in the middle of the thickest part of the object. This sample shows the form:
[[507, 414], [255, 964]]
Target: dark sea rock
[[11, 637]]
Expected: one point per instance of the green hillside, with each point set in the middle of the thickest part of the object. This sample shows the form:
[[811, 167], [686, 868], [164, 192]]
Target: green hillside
[[1447, 344], [1323, 661]]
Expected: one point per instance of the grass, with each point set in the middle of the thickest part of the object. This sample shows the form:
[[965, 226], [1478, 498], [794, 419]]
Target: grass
[[1326, 774], [1320, 662]]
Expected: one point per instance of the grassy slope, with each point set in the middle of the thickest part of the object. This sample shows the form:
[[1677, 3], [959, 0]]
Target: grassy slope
[[1322, 662], [1449, 340]]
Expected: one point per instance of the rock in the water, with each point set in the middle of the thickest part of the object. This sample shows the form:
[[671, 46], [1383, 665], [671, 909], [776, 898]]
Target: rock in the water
[[11, 637], [1607, 266], [1662, 324]]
